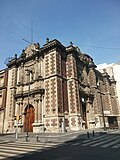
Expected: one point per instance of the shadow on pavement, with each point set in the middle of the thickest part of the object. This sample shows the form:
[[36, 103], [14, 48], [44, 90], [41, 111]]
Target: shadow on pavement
[[68, 151]]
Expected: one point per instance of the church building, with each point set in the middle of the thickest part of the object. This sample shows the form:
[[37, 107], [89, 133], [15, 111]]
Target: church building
[[54, 88]]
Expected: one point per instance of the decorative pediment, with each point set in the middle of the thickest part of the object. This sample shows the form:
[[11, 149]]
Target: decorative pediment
[[88, 61], [29, 50]]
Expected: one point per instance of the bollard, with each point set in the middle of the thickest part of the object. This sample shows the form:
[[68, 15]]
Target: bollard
[[93, 134], [37, 138], [26, 138], [88, 135]]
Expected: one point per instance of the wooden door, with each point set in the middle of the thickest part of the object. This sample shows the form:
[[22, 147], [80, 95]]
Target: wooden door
[[29, 118]]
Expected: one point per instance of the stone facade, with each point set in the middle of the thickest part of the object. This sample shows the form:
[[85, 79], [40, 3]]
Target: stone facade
[[3, 94], [113, 71], [56, 88]]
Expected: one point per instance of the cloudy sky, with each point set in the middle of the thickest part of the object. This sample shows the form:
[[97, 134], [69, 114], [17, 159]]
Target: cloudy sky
[[93, 25]]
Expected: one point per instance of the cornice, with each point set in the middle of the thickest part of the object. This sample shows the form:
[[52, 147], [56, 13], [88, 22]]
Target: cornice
[[32, 92], [71, 50], [53, 45]]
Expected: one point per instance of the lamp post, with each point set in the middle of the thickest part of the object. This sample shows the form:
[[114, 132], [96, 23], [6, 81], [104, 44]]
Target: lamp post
[[102, 108], [29, 71]]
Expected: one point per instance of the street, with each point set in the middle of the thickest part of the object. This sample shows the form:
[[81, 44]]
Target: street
[[106, 146]]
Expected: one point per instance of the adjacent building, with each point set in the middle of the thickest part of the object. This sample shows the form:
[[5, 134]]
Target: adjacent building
[[113, 71], [56, 88], [3, 95]]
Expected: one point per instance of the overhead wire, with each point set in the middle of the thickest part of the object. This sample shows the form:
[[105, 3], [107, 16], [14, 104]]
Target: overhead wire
[[99, 47]]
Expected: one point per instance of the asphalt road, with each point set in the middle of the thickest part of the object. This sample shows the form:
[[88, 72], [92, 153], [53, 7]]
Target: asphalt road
[[100, 147], [74, 152]]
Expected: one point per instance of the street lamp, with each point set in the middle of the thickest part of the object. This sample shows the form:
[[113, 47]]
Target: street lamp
[[102, 108], [29, 71]]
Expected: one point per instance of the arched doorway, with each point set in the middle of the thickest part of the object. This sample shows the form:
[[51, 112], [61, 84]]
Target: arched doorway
[[29, 118], [84, 117]]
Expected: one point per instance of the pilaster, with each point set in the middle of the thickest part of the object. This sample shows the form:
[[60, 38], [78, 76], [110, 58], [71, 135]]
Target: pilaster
[[73, 94]]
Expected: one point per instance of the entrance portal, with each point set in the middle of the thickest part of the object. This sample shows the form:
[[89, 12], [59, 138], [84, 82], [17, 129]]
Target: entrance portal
[[29, 118], [84, 117], [113, 123]]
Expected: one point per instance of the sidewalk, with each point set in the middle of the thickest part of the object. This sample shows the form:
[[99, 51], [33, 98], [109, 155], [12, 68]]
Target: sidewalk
[[56, 137]]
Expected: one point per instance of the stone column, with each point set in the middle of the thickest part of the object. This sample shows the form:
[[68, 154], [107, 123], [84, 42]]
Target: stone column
[[21, 109], [20, 122], [40, 66], [21, 73], [43, 112], [17, 109], [87, 113], [38, 126], [36, 68], [36, 110], [90, 115], [40, 111]]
